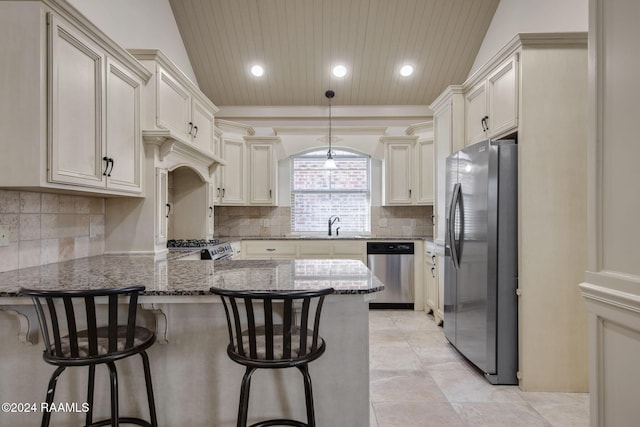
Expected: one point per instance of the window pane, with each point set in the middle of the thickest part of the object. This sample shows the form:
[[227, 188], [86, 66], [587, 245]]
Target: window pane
[[318, 193]]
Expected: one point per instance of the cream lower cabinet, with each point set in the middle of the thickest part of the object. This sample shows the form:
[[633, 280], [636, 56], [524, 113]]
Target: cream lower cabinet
[[303, 249], [87, 136], [269, 249]]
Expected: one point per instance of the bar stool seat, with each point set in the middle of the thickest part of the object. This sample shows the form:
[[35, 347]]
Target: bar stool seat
[[103, 339], [274, 339]]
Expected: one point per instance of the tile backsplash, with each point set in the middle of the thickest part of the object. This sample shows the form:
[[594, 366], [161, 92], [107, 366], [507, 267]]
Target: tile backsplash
[[47, 227], [267, 221]]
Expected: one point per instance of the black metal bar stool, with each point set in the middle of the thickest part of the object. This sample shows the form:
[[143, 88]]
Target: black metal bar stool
[[271, 342], [103, 340]]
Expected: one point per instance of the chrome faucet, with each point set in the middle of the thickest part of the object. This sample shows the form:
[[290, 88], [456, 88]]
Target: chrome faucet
[[332, 219]]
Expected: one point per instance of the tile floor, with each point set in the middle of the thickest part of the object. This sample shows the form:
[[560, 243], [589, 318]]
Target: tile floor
[[418, 379]]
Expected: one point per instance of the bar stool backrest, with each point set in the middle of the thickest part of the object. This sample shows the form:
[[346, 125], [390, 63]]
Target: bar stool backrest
[[75, 325], [273, 326]]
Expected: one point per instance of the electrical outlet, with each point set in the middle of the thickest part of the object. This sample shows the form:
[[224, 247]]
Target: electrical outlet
[[93, 230], [4, 235], [413, 222], [384, 222], [265, 223]]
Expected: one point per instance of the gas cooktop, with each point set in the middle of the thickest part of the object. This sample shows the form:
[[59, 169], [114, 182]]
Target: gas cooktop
[[191, 243]]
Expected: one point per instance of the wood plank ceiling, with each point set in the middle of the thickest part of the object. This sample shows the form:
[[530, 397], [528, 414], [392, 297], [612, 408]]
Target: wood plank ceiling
[[299, 41]]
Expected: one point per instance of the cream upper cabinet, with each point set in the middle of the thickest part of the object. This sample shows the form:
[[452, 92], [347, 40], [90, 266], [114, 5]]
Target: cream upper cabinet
[[407, 170], [475, 103], [77, 82], [232, 182], [398, 170], [448, 136], [263, 167], [72, 99], [175, 104], [203, 131], [491, 104], [424, 172], [124, 138]]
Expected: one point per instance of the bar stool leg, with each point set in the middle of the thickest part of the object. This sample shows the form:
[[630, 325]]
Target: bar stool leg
[[90, 389], [51, 391], [243, 408], [113, 374], [308, 393], [147, 380]]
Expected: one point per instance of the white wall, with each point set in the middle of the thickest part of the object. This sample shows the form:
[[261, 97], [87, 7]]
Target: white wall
[[139, 24], [527, 16]]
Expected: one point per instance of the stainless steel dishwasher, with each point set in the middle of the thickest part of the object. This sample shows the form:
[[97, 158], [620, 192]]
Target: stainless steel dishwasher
[[392, 263]]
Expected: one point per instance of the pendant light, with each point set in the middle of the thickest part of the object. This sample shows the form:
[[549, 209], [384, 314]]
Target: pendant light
[[330, 163]]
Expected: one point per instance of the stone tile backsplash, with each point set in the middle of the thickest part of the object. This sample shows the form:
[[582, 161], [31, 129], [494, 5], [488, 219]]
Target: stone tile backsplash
[[46, 228], [267, 221]]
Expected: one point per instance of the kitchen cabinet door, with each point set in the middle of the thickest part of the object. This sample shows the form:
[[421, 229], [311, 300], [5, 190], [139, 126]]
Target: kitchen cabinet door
[[211, 201], [173, 105], [262, 174], [123, 136], [232, 191], [398, 177], [76, 84], [203, 126], [269, 249], [424, 171], [475, 103], [502, 86], [431, 285], [163, 209]]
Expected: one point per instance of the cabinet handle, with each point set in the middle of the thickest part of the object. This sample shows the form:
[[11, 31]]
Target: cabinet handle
[[433, 259], [433, 272], [218, 193], [223, 192], [168, 209], [269, 194], [106, 165], [195, 133], [112, 165], [210, 211], [409, 193], [271, 250], [190, 127], [485, 123]]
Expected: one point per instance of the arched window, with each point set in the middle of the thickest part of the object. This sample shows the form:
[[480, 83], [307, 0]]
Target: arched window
[[318, 193]]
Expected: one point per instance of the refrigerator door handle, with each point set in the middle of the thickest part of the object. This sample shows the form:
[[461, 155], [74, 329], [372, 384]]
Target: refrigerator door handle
[[455, 198]]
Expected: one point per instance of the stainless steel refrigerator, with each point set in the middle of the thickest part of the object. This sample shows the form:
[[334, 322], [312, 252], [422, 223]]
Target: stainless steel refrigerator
[[481, 257]]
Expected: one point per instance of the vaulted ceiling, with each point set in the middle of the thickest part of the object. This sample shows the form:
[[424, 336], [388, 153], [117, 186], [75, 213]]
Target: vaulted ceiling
[[299, 41]]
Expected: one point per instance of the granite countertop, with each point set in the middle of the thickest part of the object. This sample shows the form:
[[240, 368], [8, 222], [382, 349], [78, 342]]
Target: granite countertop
[[177, 277]]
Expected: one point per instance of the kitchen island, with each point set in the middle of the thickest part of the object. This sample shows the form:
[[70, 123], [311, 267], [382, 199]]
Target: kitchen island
[[194, 381]]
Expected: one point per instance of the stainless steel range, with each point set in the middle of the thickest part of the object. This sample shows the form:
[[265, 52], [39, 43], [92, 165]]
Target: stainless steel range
[[209, 249]]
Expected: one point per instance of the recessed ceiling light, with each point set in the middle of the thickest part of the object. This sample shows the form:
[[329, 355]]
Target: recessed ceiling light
[[339, 71], [406, 70], [257, 70]]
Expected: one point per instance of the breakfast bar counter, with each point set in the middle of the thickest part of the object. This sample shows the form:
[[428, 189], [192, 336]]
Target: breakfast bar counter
[[194, 381]]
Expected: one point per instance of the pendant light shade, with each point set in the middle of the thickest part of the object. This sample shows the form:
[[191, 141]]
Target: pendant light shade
[[330, 163]]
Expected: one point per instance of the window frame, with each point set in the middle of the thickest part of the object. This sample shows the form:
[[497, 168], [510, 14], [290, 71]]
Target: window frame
[[321, 156]]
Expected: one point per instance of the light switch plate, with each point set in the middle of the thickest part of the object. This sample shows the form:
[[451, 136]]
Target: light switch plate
[[265, 223], [4, 235]]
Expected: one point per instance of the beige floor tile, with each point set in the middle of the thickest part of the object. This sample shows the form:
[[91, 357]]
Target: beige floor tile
[[511, 414], [404, 386], [416, 414], [419, 379], [561, 409]]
